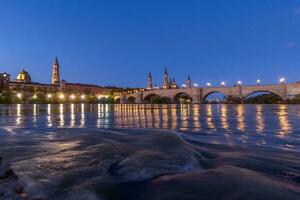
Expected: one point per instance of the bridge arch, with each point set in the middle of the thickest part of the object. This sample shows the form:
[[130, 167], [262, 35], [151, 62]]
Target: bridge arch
[[148, 97], [280, 96], [131, 99], [117, 100], [204, 98], [182, 97], [263, 91]]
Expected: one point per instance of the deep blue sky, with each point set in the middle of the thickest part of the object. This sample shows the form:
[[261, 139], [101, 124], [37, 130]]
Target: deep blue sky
[[119, 42]]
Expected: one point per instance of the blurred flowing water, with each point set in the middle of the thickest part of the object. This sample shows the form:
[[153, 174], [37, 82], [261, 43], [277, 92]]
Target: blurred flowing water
[[101, 151]]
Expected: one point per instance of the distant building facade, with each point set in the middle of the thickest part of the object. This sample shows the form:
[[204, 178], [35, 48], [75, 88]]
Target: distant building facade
[[24, 83], [4, 80], [83, 88], [33, 87]]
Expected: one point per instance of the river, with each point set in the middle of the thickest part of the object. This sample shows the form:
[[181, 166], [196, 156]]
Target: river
[[101, 151]]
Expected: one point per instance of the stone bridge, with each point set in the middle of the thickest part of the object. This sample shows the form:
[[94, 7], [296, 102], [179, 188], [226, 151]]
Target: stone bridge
[[198, 95]]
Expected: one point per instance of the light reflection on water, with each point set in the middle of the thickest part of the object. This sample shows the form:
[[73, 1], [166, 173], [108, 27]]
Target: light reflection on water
[[224, 117], [259, 119], [82, 119], [240, 117], [49, 120], [281, 119], [18, 118], [72, 116], [209, 117]]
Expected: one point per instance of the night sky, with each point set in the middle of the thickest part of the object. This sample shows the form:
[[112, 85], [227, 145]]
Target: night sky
[[119, 42]]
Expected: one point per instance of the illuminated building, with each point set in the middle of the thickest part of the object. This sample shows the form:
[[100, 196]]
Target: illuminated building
[[55, 73], [32, 87], [166, 80], [24, 83], [83, 88], [4, 80], [189, 82], [23, 77], [167, 83], [149, 82], [173, 84]]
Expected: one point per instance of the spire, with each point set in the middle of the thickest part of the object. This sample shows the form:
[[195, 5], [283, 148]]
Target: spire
[[166, 79], [149, 81], [56, 60], [189, 82], [172, 83]]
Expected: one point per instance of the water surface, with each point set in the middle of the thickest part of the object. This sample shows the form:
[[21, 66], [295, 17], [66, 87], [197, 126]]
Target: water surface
[[83, 151]]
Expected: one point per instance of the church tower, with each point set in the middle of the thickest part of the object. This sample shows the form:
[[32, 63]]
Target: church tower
[[189, 82], [55, 73], [174, 85], [166, 79], [149, 82]]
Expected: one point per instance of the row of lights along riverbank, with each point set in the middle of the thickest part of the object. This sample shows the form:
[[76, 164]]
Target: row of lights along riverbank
[[63, 96]]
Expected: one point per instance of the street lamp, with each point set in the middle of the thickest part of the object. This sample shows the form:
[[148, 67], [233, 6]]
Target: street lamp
[[282, 80], [61, 96], [183, 85], [239, 83], [34, 96], [195, 85], [258, 81], [72, 96], [49, 96], [19, 95], [208, 84], [223, 83], [82, 96]]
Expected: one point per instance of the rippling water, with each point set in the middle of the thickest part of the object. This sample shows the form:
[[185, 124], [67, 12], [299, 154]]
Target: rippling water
[[82, 151]]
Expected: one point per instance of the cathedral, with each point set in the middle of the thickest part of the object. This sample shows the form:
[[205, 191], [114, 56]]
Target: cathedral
[[167, 83]]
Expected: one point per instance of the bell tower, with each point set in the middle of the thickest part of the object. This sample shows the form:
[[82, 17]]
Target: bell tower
[[189, 82], [166, 79], [149, 82], [55, 73]]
